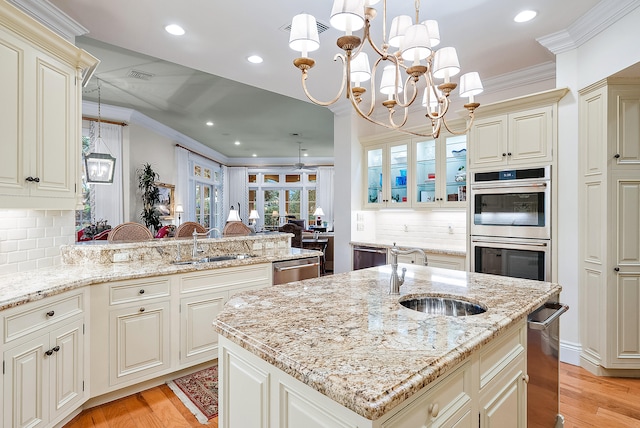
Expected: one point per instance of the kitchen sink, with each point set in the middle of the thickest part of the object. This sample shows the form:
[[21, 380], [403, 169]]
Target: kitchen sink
[[212, 259], [443, 306]]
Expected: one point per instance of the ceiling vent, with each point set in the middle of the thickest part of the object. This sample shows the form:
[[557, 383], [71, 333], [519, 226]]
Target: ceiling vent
[[322, 27], [142, 75]]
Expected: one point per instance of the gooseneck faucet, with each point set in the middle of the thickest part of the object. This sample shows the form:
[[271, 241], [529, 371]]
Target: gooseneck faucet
[[396, 281], [197, 250]]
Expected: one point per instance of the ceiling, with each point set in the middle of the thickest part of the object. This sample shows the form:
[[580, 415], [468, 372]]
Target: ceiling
[[204, 75]]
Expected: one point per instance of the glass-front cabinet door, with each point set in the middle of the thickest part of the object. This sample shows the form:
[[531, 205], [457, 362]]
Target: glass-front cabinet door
[[455, 187], [425, 172], [387, 175]]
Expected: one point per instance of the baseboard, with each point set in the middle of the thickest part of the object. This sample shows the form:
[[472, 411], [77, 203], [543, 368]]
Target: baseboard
[[570, 352]]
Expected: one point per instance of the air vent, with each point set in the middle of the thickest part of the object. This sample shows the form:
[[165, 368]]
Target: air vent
[[140, 75], [322, 27]]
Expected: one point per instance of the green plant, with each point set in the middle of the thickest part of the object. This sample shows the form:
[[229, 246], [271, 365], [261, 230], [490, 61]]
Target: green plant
[[150, 196]]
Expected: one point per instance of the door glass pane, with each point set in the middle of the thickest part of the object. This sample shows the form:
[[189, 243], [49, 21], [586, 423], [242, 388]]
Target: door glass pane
[[398, 175], [206, 211], [271, 178], [456, 149], [312, 178], [252, 200], [292, 178], [292, 202], [271, 208], [311, 207], [425, 171], [374, 175], [253, 178]]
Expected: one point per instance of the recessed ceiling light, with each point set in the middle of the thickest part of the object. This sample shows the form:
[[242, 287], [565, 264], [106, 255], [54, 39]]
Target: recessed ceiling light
[[174, 29], [306, 154], [209, 123], [525, 15], [254, 155], [255, 59], [237, 143]]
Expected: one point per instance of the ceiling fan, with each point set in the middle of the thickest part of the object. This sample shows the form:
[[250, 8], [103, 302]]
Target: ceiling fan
[[300, 166]]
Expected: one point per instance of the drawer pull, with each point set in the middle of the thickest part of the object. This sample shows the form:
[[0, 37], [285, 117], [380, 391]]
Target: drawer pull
[[52, 350], [525, 378], [141, 309], [434, 410], [141, 291], [50, 313]]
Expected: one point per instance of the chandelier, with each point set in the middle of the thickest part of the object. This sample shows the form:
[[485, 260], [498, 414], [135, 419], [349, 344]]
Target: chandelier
[[414, 68]]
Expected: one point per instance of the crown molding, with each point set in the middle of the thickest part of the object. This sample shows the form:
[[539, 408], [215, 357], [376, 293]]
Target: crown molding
[[52, 17], [597, 19], [519, 78]]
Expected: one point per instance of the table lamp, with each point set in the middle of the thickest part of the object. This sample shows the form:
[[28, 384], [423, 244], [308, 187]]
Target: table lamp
[[179, 210], [253, 215], [318, 213]]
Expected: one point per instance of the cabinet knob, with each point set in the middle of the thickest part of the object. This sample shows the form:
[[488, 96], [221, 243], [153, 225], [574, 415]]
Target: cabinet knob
[[50, 313], [142, 309], [504, 155], [49, 352], [525, 378], [509, 154], [141, 291], [617, 269], [434, 410], [56, 348], [617, 155]]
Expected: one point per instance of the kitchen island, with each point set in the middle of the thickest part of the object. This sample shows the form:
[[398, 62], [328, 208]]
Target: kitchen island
[[339, 351]]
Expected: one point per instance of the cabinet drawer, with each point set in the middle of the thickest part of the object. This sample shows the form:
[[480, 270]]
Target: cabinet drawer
[[34, 317], [441, 403], [136, 291], [234, 277], [500, 354]]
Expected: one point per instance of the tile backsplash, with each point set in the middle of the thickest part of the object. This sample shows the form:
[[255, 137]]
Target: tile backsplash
[[31, 239]]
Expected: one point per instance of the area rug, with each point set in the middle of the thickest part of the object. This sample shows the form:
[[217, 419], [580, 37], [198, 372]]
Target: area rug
[[199, 393]]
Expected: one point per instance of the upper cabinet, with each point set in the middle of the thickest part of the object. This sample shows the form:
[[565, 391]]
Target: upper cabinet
[[518, 132], [386, 180], [40, 83]]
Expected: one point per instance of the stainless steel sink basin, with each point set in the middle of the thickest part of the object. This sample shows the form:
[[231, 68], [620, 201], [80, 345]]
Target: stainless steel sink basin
[[212, 259], [443, 306]]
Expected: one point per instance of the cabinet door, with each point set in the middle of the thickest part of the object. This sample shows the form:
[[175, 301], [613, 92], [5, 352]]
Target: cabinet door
[[67, 368], [488, 143], [26, 384], [453, 171], [198, 340], [627, 144], [374, 158], [139, 341], [397, 175], [530, 136], [425, 167], [504, 403], [446, 262]]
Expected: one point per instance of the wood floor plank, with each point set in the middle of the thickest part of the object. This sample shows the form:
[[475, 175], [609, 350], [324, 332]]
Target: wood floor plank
[[167, 411]]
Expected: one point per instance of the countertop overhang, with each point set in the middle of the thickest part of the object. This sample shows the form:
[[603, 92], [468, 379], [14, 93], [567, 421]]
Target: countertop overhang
[[346, 337]]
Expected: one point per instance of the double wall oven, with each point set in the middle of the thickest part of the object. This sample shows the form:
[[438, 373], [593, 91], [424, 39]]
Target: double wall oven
[[510, 223]]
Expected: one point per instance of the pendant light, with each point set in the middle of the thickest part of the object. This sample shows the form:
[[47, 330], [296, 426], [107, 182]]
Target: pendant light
[[99, 167]]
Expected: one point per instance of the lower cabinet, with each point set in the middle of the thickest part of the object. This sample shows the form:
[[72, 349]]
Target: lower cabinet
[[439, 260], [488, 389], [44, 369]]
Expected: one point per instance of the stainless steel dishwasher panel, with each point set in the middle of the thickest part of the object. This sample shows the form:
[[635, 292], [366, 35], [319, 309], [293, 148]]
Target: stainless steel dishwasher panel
[[296, 270], [366, 257], [543, 345]]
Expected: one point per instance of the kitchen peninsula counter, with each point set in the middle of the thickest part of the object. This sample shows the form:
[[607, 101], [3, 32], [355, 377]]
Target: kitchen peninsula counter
[[347, 338]]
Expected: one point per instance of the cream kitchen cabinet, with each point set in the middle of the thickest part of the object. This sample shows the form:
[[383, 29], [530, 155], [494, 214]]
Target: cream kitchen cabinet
[[609, 199], [40, 115], [439, 260], [517, 132], [44, 361], [386, 175]]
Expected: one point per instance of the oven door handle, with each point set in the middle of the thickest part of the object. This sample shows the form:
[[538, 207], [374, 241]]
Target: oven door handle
[[507, 185], [510, 242]]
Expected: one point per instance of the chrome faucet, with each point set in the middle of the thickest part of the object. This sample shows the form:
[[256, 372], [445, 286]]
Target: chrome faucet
[[197, 250], [396, 281]]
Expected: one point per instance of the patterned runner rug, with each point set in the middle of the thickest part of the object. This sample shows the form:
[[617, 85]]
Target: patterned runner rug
[[199, 392]]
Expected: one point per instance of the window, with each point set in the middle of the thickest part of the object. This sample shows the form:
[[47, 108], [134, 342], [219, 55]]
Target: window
[[206, 193]]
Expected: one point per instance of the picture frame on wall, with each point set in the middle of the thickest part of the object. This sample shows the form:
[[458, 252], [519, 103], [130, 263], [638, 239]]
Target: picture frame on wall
[[165, 207]]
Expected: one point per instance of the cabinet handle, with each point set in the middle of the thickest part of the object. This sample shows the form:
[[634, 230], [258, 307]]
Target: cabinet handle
[[617, 269], [617, 155], [434, 410], [49, 352], [50, 313], [525, 378], [56, 348], [33, 179], [141, 309], [141, 291]]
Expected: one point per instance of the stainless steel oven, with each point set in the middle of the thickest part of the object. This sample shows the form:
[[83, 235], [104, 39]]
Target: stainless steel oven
[[515, 257], [512, 203]]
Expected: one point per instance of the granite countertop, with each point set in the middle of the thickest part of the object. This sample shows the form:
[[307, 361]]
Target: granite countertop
[[346, 337], [20, 288], [428, 248]]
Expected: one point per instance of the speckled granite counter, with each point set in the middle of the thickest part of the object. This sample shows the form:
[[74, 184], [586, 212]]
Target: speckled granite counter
[[425, 247], [93, 264], [344, 336]]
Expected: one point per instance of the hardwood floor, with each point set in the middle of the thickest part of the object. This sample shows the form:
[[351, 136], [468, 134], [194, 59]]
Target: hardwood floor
[[586, 401]]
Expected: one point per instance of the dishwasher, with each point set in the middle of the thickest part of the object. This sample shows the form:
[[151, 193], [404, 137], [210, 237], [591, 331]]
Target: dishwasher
[[366, 257], [296, 270], [543, 345]]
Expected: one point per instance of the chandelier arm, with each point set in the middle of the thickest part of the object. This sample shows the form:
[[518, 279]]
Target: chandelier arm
[[462, 132], [414, 95], [305, 75], [442, 111]]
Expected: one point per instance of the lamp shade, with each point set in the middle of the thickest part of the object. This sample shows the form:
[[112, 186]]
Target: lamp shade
[[416, 44], [179, 208], [347, 15], [233, 215], [470, 84], [434, 32], [360, 69], [445, 63], [304, 34], [399, 26], [318, 212], [99, 168], [388, 83], [253, 215]]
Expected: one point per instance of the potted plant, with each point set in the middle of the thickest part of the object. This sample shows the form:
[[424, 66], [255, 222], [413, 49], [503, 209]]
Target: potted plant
[[150, 197]]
